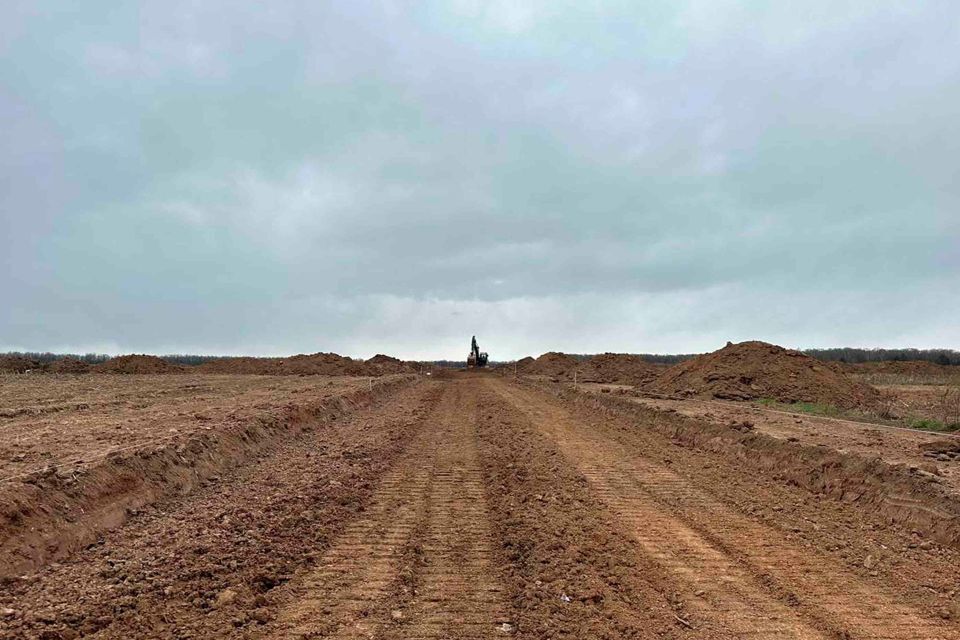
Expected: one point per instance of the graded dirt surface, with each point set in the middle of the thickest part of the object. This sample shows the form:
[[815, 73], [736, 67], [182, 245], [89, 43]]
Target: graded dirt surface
[[476, 506], [753, 370], [73, 420]]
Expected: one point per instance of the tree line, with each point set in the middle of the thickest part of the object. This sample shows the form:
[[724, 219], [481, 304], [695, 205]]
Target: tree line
[[855, 356], [46, 357]]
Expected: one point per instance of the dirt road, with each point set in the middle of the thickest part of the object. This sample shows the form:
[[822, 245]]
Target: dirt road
[[474, 507]]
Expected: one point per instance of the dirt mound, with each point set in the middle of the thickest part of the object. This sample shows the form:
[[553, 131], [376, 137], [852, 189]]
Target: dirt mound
[[520, 366], [553, 364], [325, 364], [620, 368], [385, 365], [317, 364], [752, 370], [18, 364], [241, 364], [68, 365], [136, 363]]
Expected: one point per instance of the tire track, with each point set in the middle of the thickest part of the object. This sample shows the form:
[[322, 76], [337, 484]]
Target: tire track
[[742, 575], [362, 566], [430, 507]]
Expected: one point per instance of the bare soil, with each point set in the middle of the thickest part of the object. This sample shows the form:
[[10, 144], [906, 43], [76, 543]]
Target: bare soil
[[752, 370], [325, 364], [551, 365], [67, 365], [621, 368], [18, 364], [478, 506], [80, 453], [895, 445], [137, 364]]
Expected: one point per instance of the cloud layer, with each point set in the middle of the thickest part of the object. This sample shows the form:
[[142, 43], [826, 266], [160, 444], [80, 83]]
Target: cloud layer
[[361, 177]]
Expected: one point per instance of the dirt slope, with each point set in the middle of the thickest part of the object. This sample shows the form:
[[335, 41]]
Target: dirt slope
[[751, 370]]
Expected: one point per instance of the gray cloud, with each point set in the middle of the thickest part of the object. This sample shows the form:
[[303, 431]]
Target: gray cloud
[[369, 176]]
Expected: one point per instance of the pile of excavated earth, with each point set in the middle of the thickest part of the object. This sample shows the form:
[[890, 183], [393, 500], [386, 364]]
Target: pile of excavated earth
[[754, 370], [552, 364], [137, 364], [324, 364], [619, 368], [18, 364], [744, 371], [67, 365], [615, 368]]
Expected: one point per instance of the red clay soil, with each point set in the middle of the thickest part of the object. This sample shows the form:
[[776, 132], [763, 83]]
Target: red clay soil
[[752, 370], [137, 364], [67, 365], [619, 368]]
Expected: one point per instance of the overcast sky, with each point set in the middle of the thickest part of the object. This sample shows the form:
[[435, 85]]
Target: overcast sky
[[360, 177]]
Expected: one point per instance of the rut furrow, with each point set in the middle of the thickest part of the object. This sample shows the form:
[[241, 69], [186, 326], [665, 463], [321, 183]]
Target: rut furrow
[[457, 593], [431, 507], [728, 560], [361, 567]]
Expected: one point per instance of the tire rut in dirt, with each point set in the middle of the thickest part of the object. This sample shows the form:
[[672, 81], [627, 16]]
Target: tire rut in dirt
[[419, 563], [739, 574]]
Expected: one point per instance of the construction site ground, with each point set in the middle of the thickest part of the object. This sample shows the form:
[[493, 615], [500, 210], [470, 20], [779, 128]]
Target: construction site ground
[[896, 445], [472, 506]]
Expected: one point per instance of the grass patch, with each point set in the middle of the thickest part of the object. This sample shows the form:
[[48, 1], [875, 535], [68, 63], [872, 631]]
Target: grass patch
[[929, 424]]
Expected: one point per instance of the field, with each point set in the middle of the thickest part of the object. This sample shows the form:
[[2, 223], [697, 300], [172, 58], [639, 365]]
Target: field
[[462, 505]]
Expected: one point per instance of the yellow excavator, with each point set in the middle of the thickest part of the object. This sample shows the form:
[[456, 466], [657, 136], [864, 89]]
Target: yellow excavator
[[476, 358]]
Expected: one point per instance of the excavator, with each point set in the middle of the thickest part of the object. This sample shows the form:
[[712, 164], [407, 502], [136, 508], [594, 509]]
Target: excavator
[[476, 358]]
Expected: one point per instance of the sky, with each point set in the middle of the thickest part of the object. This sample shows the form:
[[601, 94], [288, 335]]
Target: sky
[[360, 177]]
